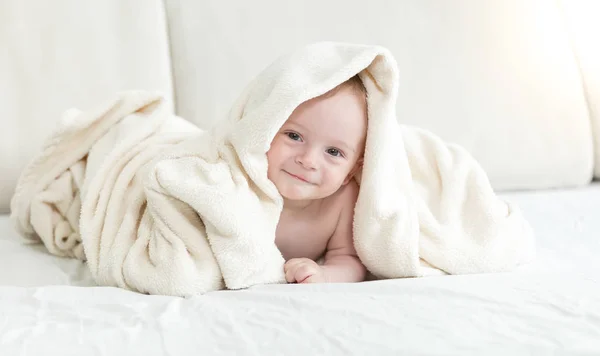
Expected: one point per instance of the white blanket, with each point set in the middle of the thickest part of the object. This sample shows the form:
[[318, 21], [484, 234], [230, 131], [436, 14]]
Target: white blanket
[[158, 206]]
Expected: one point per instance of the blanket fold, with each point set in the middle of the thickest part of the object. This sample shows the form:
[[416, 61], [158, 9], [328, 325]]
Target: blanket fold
[[156, 205]]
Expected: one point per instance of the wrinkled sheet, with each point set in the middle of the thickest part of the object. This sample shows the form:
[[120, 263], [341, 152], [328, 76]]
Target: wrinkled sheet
[[549, 307]]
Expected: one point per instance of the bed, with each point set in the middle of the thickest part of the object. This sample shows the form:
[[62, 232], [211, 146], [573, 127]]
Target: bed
[[549, 307]]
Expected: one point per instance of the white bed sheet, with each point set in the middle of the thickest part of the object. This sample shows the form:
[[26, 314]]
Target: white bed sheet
[[550, 307]]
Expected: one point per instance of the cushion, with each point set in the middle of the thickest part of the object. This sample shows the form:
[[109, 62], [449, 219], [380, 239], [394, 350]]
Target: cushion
[[67, 53], [581, 17]]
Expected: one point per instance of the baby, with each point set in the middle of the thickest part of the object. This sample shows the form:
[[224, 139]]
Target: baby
[[312, 161]]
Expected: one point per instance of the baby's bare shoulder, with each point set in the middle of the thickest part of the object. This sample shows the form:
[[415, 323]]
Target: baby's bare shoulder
[[348, 195], [341, 241], [344, 200]]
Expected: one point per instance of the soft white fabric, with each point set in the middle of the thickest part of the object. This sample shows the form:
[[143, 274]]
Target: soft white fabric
[[159, 197], [497, 77], [60, 54], [552, 307], [582, 26], [86, 196]]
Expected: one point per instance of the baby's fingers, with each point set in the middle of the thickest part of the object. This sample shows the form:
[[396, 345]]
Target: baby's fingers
[[304, 272], [315, 278], [289, 268], [292, 263], [289, 275]]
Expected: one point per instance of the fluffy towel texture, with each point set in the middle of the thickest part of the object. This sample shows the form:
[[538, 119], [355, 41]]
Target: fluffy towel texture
[[158, 206]]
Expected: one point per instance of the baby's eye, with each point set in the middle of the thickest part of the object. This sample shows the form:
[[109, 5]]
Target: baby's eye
[[294, 136], [334, 152]]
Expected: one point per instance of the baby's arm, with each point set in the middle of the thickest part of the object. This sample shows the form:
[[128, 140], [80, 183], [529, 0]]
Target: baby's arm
[[341, 261], [341, 264]]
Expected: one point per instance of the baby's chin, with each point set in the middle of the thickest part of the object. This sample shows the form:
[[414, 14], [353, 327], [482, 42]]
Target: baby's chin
[[295, 196], [299, 195]]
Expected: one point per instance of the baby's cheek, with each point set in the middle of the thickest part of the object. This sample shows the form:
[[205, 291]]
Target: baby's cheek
[[337, 177]]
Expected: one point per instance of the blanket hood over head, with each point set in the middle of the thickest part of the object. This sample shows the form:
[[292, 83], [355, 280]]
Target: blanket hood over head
[[422, 203], [169, 209]]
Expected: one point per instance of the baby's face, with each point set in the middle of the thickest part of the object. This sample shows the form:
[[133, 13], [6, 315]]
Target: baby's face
[[320, 147]]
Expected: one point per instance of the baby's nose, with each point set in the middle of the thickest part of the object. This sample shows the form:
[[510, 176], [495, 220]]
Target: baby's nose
[[308, 159]]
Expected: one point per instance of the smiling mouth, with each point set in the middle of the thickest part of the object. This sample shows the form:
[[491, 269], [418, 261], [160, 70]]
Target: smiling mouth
[[298, 177]]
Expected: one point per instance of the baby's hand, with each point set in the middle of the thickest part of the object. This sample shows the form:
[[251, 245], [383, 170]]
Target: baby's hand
[[303, 270]]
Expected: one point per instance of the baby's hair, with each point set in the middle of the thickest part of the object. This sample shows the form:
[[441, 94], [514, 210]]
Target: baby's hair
[[354, 83]]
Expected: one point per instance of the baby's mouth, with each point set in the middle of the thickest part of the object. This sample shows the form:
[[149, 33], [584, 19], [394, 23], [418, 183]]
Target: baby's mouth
[[300, 178]]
